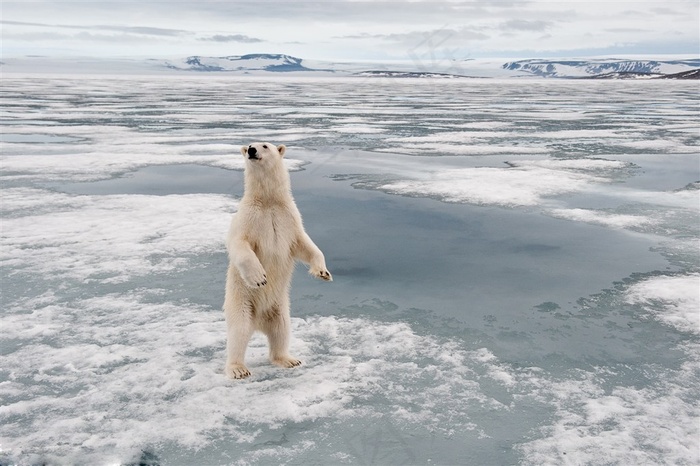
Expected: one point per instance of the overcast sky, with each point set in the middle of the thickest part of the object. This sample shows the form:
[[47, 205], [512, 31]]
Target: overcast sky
[[350, 30]]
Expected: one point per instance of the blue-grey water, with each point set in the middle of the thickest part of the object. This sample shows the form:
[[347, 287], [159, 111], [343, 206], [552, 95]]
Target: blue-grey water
[[516, 272]]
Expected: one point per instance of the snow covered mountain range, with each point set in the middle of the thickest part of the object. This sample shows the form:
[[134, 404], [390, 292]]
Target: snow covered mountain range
[[275, 64], [611, 68], [602, 68]]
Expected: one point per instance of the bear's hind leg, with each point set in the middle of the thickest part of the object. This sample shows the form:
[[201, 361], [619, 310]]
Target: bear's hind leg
[[240, 328], [277, 327]]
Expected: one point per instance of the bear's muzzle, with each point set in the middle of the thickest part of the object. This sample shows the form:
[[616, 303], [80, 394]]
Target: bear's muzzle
[[252, 153]]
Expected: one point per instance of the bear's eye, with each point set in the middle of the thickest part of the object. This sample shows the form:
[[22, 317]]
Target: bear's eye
[[264, 146]]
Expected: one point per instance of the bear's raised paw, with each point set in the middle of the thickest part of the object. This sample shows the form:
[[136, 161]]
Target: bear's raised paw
[[323, 274], [255, 280]]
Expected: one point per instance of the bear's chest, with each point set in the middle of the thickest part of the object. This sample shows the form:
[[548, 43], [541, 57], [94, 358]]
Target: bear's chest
[[273, 232]]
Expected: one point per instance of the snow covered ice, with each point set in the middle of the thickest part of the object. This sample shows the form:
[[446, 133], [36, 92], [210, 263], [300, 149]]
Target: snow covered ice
[[516, 270]]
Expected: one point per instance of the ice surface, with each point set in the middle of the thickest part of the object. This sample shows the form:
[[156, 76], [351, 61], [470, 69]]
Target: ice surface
[[609, 426], [516, 272], [124, 365]]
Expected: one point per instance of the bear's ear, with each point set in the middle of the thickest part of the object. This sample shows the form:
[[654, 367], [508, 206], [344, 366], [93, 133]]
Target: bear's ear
[[244, 150], [281, 149]]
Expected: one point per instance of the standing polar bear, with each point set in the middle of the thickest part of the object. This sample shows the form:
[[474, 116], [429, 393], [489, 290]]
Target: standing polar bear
[[265, 238]]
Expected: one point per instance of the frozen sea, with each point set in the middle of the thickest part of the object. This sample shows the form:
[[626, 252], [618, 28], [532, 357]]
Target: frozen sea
[[516, 272]]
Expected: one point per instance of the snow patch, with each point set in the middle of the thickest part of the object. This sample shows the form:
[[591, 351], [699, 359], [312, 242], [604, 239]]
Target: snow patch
[[602, 218], [109, 238], [673, 300], [524, 183]]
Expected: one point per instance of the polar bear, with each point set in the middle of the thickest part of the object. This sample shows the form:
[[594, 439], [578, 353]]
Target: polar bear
[[266, 236]]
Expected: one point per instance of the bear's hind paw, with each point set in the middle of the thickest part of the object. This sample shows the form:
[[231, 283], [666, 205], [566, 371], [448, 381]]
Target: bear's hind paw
[[237, 371], [286, 362]]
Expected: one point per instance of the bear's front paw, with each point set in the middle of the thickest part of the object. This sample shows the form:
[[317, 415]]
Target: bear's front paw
[[237, 371], [321, 273], [255, 280]]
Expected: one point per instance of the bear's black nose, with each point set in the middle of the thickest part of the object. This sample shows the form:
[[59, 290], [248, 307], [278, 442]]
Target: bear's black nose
[[251, 153]]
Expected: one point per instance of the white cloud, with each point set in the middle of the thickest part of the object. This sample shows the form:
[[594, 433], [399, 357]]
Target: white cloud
[[526, 25], [342, 29], [231, 38]]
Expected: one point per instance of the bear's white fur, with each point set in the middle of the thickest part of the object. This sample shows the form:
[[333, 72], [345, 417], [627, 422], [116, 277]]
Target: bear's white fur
[[265, 238]]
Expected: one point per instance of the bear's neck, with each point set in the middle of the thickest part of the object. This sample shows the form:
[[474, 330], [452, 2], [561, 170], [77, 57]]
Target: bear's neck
[[265, 187]]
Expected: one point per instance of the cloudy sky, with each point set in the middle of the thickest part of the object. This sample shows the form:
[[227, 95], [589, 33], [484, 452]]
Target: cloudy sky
[[350, 30]]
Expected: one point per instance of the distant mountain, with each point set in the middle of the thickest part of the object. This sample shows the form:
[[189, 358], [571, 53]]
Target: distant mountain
[[623, 75], [606, 68], [609, 68], [242, 63], [261, 64], [692, 74]]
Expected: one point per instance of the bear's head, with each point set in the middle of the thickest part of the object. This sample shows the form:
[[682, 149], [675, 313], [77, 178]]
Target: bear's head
[[262, 153]]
